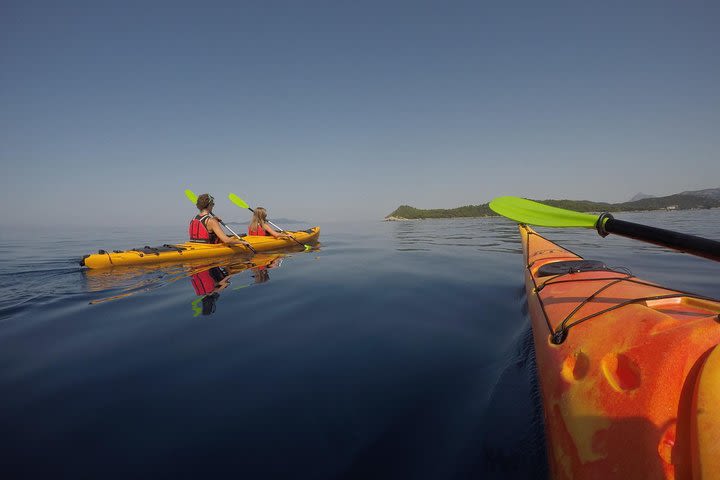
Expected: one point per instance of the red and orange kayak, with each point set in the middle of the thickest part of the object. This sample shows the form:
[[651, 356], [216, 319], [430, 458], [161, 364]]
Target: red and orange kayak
[[629, 371]]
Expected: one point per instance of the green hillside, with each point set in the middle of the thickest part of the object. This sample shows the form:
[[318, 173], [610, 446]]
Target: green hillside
[[674, 202], [405, 211]]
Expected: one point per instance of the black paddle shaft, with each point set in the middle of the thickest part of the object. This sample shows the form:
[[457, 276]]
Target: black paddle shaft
[[683, 242]]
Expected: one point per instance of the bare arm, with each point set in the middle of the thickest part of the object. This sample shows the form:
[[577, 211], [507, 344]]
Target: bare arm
[[214, 226], [272, 232]]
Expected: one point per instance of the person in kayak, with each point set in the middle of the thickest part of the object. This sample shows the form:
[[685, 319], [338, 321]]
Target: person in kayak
[[260, 226], [205, 227]]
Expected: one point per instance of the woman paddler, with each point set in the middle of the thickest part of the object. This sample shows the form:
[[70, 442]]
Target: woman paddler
[[259, 225]]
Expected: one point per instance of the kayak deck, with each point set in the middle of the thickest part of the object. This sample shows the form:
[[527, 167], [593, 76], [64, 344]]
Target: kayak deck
[[195, 250], [619, 362]]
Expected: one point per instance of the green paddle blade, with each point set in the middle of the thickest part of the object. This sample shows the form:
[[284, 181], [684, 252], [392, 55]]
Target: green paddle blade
[[197, 309], [534, 213], [238, 201], [191, 196]]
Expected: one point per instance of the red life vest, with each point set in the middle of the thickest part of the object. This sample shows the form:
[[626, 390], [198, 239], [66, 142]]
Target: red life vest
[[207, 281], [257, 231], [203, 283], [199, 232]]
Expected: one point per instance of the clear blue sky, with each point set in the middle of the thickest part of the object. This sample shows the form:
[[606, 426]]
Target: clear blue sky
[[324, 111]]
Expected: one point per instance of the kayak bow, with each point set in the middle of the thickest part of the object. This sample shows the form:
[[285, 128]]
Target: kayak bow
[[629, 371]]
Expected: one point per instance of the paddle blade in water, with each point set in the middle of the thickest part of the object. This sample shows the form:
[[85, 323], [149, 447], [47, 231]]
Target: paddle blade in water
[[534, 213], [191, 196], [238, 201]]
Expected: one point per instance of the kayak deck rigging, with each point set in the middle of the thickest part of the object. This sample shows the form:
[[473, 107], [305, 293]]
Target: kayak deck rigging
[[572, 271]]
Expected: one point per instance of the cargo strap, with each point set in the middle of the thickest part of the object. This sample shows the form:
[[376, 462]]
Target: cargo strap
[[146, 250]]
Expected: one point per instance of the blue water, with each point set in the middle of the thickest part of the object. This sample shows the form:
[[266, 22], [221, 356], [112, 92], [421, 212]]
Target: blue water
[[394, 350]]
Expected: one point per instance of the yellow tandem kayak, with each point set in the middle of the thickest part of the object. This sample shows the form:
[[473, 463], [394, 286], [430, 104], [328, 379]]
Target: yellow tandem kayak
[[193, 250]]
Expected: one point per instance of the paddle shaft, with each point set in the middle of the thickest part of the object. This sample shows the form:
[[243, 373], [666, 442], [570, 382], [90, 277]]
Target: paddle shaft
[[212, 215], [683, 242], [233, 232]]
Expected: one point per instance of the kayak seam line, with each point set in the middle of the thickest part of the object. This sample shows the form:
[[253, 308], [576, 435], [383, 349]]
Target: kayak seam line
[[564, 326], [535, 285], [640, 300], [631, 279]]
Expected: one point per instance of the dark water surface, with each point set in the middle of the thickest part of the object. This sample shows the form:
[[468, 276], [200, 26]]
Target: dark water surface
[[395, 350]]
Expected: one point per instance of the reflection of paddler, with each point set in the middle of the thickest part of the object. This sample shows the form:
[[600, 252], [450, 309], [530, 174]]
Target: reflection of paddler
[[207, 284], [233, 268], [205, 305], [260, 273], [208, 281]]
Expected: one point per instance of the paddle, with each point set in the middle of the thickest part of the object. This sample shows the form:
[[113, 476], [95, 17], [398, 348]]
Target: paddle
[[242, 204], [193, 198], [534, 213]]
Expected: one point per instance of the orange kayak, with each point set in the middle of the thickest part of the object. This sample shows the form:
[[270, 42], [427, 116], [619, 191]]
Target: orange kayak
[[629, 371]]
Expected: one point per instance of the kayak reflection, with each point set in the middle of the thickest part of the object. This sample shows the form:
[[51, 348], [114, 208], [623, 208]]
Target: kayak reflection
[[208, 283], [207, 277]]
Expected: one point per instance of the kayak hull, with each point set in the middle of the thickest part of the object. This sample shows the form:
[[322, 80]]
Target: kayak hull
[[187, 251], [619, 363]]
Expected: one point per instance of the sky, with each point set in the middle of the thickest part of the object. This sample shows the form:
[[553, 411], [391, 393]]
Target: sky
[[339, 110]]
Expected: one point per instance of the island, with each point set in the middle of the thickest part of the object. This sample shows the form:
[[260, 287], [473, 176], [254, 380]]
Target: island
[[699, 199]]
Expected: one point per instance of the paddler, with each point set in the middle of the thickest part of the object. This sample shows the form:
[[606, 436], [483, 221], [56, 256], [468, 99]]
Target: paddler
[[259, 225], [205, 227]]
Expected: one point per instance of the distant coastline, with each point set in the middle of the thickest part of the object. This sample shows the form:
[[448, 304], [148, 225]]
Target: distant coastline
[[700, 199], [277, 221]]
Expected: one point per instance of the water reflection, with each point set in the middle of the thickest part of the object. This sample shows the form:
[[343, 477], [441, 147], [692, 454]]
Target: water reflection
[[484, 234], [210, 282], [207, 278]]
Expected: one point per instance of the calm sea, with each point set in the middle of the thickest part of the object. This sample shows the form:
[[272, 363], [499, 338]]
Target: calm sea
[[394, 350]]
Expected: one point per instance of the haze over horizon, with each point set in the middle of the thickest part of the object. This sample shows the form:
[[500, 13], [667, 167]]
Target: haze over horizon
[[348, 110]]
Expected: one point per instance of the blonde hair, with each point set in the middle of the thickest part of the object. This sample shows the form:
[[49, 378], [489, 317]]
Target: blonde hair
[[259, 217]]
